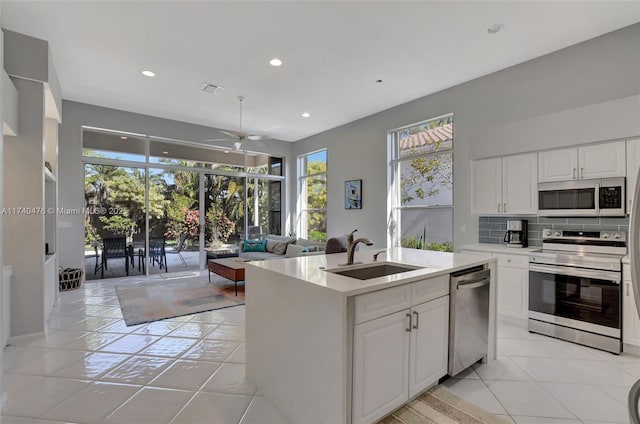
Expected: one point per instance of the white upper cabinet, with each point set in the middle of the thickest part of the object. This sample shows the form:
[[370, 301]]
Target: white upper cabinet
[[633, 164], [506, 185], [519, 184], [602, 160], [486, 193], [558, 165]]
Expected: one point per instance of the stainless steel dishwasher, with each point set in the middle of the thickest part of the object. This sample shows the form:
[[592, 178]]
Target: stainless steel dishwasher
[[468, 318]]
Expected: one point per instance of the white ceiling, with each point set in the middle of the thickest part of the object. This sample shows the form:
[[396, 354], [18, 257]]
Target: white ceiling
[[333, 53]]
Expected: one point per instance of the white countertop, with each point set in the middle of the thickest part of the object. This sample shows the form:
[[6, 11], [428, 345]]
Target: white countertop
[[626, 260], [311, 269], [500, 248]]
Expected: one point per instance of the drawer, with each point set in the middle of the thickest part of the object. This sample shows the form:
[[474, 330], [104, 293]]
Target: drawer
[[515, 261], [382, 302], [429, 289]]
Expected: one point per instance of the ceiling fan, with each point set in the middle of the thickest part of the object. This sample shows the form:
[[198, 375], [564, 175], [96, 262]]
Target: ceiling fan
[[239, 136]]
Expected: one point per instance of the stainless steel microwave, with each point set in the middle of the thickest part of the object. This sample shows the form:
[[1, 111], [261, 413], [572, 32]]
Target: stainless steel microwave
[[599, 197]]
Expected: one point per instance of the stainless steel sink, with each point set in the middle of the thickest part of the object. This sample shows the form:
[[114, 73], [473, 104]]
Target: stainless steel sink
[[367, 272]]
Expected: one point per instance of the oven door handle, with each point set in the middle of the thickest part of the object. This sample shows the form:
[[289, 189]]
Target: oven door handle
[[613, 277]]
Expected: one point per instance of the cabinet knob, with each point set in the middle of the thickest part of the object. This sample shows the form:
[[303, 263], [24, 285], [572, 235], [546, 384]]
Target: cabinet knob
[[504, 207], [498, 207], [581, 172], [415, 327], [574, 173], [408, 329]]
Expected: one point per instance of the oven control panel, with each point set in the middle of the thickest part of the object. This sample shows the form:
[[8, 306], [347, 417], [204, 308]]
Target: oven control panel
[[578, 235]]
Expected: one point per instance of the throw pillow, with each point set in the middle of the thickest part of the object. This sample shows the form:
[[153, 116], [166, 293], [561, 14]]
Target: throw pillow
[[271, 244], [293, 250], [254, 246], [280, 247], [278, 244]]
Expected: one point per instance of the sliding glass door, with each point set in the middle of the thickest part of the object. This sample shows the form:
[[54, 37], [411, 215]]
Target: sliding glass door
[[172, 204]]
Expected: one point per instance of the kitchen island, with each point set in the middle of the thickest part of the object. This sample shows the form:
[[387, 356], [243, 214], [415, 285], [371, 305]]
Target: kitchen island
[[327, 348]]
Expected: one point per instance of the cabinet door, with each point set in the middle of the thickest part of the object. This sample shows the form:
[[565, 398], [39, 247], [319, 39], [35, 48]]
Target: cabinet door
[[602, 160], [520, 184], [513, 292], [633, 164], [429, 344], [558, 165], [486, 193], [380, 366]]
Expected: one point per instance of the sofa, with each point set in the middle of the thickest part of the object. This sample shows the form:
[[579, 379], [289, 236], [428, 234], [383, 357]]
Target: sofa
[[278, 247]]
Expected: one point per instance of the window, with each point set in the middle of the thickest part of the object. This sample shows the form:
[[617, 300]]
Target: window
[[312, 195], [421, 185]]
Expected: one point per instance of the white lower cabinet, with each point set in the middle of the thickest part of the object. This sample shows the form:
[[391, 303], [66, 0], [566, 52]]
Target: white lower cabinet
[[380, 366], [397, 356], [513, 291], [429, 344], [630, 320]]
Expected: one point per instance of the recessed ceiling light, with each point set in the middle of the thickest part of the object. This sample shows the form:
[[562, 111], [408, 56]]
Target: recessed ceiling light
[[226, 151], [306, 115], [123, 137], [148, 74], [275, 62], [495, 28], [166, 153]]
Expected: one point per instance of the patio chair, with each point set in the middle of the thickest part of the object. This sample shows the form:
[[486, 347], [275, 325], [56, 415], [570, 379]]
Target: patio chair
[[254, 232], [114, 247], [157, 253], [176, 250]]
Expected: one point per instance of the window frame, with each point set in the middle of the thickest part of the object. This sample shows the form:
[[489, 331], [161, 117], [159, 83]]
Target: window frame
[[394, 179], [302, 227]]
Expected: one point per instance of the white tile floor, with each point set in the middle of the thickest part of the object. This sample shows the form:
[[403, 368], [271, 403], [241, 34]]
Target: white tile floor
[[91, 368]]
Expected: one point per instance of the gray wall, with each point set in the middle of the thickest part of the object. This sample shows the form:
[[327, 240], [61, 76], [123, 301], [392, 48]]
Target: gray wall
[[584, 93], [2, 336], [71, 171], [23, 235]]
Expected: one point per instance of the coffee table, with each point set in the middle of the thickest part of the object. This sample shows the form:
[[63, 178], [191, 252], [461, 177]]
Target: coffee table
[[230, 268]]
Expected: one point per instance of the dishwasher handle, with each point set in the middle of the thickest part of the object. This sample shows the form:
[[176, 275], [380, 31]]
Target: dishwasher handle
[[474, 285], [471, 278]]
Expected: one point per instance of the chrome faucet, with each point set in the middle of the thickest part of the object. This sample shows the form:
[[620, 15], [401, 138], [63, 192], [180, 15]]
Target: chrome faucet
[[351, 246]]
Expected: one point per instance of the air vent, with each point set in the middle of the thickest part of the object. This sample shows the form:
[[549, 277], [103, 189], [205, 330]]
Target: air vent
[[209, 88]]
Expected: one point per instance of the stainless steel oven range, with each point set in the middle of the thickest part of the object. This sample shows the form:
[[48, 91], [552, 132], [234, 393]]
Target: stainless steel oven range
[[574, 287]]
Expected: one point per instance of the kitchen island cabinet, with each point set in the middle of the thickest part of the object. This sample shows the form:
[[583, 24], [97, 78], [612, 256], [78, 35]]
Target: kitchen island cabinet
[[329, 348]]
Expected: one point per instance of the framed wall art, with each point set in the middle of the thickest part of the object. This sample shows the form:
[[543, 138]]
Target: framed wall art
[[353, 194]]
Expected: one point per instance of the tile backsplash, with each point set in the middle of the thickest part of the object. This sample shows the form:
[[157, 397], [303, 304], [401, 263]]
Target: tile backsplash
[[492, 228]]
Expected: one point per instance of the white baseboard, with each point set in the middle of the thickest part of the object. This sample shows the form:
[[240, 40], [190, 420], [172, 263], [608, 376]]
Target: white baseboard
[[508, 319], [634, 350], [25, 338]]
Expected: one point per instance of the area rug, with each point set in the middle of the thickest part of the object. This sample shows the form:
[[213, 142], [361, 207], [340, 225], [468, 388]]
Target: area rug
[[181, 274], [438, 406], [152, 301]]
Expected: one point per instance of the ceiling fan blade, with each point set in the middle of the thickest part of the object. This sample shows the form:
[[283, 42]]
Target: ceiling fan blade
[[234, 134], [218, 139], [256, 137]]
